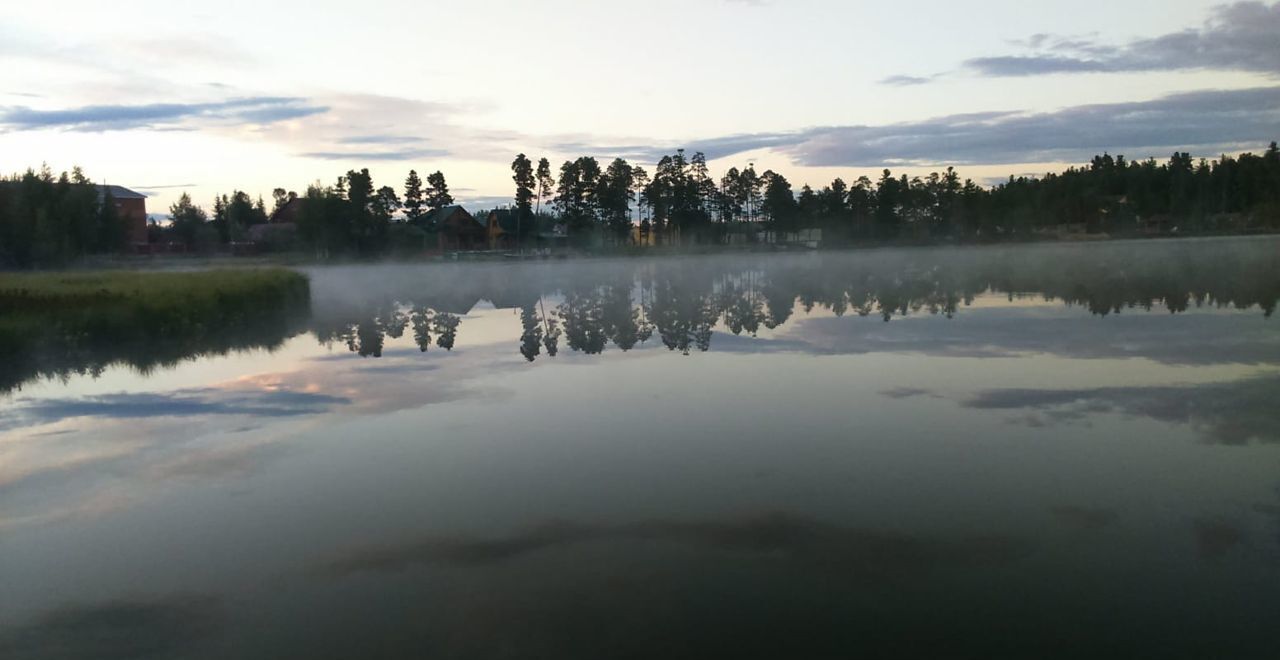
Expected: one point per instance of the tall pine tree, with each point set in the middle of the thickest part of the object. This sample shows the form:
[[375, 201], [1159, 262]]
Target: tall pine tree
[[522, 174], [545, 181], [437, 196], [413, 201]]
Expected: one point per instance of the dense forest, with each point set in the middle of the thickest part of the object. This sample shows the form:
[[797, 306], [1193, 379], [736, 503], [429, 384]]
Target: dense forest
[[1109, 195], [48, 220]]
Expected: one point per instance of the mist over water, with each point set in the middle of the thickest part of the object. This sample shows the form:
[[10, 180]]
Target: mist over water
[[1021, 451]]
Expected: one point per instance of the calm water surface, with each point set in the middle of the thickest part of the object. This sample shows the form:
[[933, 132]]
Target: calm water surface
[[1012, 452]]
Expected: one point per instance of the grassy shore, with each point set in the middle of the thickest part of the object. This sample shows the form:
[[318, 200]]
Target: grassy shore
[[153, 290], [54, 324]]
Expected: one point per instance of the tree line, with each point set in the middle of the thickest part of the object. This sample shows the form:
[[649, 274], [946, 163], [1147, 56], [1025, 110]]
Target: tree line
[[49, 220], [348, 217], [683, 202], [54, 220]]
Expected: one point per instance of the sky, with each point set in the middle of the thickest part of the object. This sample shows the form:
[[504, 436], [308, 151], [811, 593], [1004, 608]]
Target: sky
[[167, 97]]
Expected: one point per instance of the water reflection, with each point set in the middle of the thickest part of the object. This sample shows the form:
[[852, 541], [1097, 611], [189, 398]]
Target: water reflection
[[684, 302], [161, 628], [1047, 451], [40, 345], [190, 402], [810, 544], [1232, 413]]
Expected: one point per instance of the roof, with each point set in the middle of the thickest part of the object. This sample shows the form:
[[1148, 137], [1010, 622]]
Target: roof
[[285, 214], [434, 218], [119, 192], [442, 212]]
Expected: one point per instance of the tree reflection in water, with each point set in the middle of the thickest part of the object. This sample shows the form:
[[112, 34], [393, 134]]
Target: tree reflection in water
[[684, 301], [593, 305]]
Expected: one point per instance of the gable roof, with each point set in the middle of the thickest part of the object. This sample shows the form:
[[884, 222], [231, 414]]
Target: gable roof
[[118, 192], [433, 218], [286, 213]]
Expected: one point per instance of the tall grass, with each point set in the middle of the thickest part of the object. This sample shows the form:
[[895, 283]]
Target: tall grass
[[155, 289]]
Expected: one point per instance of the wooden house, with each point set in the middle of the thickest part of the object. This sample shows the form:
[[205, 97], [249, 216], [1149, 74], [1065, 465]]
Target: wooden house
[[455, 229], [288, 212], [502, 229]]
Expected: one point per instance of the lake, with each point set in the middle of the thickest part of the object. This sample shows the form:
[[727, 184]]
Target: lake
[[1030, 451]]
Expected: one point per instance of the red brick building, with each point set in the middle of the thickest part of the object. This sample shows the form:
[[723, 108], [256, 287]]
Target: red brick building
[[131, 207]]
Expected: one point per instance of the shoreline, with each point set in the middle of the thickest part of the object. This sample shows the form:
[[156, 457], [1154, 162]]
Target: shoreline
[[189, 262]]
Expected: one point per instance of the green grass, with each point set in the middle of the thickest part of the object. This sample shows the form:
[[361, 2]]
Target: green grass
[[151, 289]]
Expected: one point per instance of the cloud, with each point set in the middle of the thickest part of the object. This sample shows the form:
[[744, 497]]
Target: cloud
[[1241, 36], [271, 115], [1201, 339], [712, 147], [154, 191], [1208, 121], [370, 127], [907, 393], [1232, 413], [395, 147], [391, 155], [220, 461], [225, 431], [906, 81], [123, 54], [1032, 65], [381, 139], [168, 186], [480, 202], [324, 126], [200, 401], [141, 628], [253, 110]]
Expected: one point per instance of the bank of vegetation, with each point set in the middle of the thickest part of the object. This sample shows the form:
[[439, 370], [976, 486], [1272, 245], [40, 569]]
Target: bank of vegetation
[[55, 324]]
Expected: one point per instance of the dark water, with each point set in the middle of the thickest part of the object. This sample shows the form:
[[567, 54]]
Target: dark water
[[1020, 452]]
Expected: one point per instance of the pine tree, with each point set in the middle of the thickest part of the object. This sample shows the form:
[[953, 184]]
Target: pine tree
[[413, 202], [523, 176], [545, 182], [186, 219], [437, 196]]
